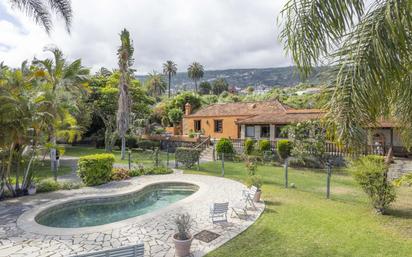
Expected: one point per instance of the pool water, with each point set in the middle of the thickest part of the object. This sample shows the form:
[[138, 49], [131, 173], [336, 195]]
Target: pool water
[[99, 211]]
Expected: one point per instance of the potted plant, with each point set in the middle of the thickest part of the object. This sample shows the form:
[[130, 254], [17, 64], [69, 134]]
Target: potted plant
[[183, 239], [32, 189], [256, 181]]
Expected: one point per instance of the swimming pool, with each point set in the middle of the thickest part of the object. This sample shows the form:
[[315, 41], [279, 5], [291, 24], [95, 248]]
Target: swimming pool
[[99, 211]]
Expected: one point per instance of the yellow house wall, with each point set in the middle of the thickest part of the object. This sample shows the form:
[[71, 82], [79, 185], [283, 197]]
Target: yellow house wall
[[230, 128]]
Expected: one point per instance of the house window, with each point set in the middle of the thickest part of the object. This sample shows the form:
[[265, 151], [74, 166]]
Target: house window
[[279, 133], [198, 125], [218, 126], [250, 131], [265, 131]]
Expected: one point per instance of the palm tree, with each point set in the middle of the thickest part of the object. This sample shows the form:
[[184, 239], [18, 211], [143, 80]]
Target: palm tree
[[125, 55], [155, 84], [41, 10], [368, 51], [195, 72], [63, 82], [169, 69]]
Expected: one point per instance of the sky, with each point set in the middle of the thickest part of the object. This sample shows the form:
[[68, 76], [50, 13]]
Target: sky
[[220, 34]]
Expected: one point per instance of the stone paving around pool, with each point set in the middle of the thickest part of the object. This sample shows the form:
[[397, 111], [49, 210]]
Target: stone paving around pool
[[154, 229]]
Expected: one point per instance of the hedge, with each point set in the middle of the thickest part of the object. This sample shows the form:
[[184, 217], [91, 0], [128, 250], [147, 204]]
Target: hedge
[[96, 169], [284, 148], [148, 144], [264, 145], [249, 146], [187, 156], [224, 145]]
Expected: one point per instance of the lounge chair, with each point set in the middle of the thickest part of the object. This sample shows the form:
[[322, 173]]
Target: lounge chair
[[240, 210], [218, 212], [128, 251], [249, 196]]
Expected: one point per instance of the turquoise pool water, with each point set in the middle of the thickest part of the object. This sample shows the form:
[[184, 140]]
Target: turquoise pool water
[[99, 211]]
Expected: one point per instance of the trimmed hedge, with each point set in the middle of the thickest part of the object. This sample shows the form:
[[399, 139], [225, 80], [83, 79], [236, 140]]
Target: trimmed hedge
[[148, 144], [224, 145], [284, 148], [187, 156], [47, 185], [249, 146], [141, 170], [264, 145], [96, 169]]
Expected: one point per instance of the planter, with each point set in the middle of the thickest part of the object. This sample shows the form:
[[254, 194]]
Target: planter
[[31, 191], [257, 196], [182, 247]]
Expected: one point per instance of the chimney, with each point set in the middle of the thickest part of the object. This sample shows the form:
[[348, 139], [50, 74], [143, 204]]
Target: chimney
[[188, 109]]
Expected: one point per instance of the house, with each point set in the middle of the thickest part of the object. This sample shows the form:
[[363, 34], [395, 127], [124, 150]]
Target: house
[[265, 120]]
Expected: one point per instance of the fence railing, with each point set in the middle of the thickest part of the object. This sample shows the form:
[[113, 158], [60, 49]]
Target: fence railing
[[331, 148]]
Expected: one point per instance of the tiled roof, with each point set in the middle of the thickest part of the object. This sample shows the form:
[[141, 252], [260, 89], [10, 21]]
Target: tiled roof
[[284, 118], [241, 109]]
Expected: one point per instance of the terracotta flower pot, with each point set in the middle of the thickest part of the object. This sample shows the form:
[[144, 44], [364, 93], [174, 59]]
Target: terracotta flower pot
[[182, 247], [257, 196]]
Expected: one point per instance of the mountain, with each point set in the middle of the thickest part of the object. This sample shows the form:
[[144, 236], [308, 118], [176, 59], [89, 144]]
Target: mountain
[[267, 77]]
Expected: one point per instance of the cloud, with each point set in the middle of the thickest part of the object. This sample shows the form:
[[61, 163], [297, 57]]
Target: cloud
[[219, 34]]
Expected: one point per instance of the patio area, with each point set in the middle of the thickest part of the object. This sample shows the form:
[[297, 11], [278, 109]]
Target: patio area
[[18, 237]]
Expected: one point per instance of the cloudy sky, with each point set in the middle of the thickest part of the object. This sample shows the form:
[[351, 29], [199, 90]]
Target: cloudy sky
[[220, 34]]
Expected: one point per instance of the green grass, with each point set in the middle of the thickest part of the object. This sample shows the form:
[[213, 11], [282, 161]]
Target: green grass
[[42, 170], [145, 157], [301, 222]]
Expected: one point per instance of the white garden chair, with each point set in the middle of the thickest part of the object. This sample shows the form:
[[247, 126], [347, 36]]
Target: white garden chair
[[218, 212], [249, 196]]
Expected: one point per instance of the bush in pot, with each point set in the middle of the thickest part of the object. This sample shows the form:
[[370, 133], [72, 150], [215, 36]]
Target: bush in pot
[[183, 239]]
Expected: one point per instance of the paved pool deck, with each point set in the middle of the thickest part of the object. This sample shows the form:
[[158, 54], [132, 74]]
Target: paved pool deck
[[20, 237]]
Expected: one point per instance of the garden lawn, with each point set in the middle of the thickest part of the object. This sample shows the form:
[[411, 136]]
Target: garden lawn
[[144, 157], [301, 222], [42, 170]]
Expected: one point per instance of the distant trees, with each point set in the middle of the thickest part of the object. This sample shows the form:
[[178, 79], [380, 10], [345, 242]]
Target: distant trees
[[205, 88], [155, 84], [125, 55], [40, 10], [195, 72], [219, 86], [169, 69]]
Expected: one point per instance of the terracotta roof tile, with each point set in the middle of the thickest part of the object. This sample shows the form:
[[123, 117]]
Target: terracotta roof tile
[[283, 118], [241, 109]]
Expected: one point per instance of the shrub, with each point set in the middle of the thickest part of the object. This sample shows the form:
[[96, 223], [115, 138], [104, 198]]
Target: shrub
[[70, 185], [371, 173], [47, 185], [131, 142], [157, 170], [254, 180], [224, 145], [404, 180], [264, 145], [120, 174], [251, 166], [175, 115], [148, 144], [96, 169], [187, 156], [249, 146], [284, 148], [138, 171]]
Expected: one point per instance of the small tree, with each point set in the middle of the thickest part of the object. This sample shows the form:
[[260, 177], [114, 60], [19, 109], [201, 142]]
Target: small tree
[[284, 148], [219, 86], [225, 146], [205, 88], [371, 173], [175, 115]]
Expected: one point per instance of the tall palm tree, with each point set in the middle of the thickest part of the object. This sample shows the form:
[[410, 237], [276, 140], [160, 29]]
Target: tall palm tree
[[155, 84], [169, 69], [41, 11], [195, 72], [63, 82], [125, 55], [369, 53]]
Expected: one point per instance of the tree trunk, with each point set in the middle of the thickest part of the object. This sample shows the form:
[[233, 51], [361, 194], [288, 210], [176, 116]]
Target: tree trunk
[[123, 155], [170, 80], [108, 140], [53, 155], [196, 86]]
